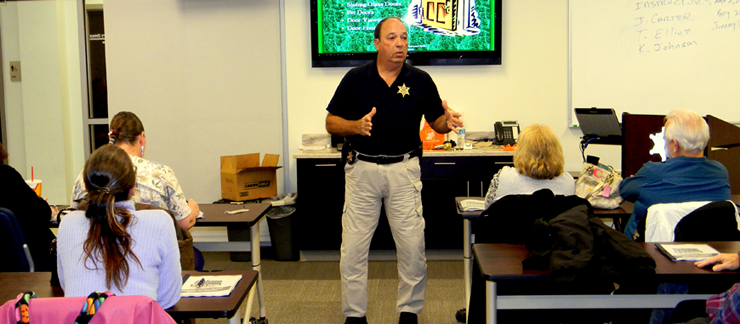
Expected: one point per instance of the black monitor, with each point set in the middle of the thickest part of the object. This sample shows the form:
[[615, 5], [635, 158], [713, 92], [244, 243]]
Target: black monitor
[[599, 125]]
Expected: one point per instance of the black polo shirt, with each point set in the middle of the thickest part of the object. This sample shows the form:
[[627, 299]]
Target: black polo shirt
[[398, 108]]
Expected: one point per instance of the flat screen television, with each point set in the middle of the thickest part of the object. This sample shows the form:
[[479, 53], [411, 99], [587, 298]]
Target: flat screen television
[[441, 32]]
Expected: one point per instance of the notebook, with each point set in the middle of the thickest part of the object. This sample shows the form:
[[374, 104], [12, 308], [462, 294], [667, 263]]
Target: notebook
[[209, 286]]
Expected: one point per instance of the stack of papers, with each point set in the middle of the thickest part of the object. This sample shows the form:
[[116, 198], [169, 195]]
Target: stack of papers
[[314, 147], [209, 286], [472, 204], [687, 252]]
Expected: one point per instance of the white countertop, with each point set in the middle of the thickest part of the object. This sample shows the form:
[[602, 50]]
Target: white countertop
[[476, 151]]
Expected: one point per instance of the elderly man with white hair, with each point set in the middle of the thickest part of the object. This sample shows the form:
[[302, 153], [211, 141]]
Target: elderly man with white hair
[[685, 176]]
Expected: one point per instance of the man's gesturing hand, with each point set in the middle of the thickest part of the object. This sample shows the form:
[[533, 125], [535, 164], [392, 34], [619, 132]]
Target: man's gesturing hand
[[453, 117], [365, 124]]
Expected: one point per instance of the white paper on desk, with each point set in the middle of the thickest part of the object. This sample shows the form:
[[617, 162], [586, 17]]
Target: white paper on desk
[[314, 147], [213, 286], [200, 215], [472, 204], [687, 252]]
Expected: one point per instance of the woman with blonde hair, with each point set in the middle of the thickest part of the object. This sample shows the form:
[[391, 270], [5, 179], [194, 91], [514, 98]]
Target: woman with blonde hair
[[110, 246], [538, 164]]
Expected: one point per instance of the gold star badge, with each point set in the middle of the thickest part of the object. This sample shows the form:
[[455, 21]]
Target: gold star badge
[[403, 90]]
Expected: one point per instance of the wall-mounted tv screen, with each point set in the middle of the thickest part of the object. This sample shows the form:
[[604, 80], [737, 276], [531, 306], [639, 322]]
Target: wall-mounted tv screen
[[440, 32]]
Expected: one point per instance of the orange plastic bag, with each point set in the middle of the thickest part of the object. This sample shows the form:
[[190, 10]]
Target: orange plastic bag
[[430, 138]]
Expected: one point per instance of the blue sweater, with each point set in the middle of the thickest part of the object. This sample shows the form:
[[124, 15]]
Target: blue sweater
[[679, 179], [154, 244]]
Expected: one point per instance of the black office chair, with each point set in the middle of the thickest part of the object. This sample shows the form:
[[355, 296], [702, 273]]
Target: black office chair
[[510, 220], [14, 253], [716, 221]]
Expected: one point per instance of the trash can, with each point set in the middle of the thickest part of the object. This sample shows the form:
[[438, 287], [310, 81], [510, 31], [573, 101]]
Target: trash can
[[282, 235]]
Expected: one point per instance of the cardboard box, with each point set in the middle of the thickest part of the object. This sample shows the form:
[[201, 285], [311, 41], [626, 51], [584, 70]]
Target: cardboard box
[[243, 178]]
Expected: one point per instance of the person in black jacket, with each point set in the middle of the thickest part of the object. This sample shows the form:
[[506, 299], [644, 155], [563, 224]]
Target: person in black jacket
[[33, 213]]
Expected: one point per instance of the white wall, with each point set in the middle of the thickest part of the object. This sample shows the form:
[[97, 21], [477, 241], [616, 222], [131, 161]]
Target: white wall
[[43, 110], [530, 86], [203, 76], [13, 95], [205, 79], [73, 71]]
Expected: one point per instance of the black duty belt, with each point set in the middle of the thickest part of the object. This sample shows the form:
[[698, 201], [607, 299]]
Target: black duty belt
[[387, 159]]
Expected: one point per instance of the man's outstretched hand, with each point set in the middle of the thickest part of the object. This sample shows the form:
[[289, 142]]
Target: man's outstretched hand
[[453, 117], [365, 124]]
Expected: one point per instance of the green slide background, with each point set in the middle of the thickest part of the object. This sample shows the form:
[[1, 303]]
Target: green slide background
[[339, 40]]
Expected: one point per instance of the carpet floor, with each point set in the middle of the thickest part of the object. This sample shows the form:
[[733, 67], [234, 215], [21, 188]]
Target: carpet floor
[[310, 292]]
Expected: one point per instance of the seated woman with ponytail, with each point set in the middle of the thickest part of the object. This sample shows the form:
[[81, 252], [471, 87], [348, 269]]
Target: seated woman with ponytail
[[110, 246]]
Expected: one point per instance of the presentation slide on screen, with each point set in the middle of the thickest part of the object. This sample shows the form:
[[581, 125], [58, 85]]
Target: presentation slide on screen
[[347, 26]]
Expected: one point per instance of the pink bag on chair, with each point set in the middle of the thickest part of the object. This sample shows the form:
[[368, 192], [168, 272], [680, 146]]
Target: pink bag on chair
[[115, 309]]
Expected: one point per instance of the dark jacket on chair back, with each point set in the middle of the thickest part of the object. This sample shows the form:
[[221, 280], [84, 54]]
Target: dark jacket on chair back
[[509, 219], [586, 256]]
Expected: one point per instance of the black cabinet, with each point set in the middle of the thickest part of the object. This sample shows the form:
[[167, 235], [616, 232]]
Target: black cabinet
[[321, 188], [320, 203]]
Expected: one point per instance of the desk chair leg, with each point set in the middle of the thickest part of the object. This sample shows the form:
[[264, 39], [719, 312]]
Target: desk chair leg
[[248, 305], [237, 319], [467, 268], [468, 259], [491, 302], [256, 265]]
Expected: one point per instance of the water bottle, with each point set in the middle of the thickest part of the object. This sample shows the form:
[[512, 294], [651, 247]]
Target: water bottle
[[461, 138]]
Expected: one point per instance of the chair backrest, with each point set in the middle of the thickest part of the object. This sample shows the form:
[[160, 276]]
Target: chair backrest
[[115, 309], [717, 221], [692, 221], [509, 219], [14, 253]]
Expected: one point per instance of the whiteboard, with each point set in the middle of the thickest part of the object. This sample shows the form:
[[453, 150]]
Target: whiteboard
[[650, 57]]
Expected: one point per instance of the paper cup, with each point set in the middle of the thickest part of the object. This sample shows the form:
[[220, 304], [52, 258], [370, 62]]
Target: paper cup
[[35, 186]]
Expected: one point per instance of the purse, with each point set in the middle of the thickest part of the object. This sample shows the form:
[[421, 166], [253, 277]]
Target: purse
[[599, 184]]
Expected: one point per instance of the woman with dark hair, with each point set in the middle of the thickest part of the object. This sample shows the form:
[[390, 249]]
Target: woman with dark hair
[[156, 183], [110, 246], [32, 212]]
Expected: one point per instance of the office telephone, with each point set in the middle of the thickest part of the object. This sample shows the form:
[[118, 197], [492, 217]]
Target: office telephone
[[506, 132]]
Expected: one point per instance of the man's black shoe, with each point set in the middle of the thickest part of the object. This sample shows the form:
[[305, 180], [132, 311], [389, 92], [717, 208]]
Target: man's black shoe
[[407, 318], [356, 320]]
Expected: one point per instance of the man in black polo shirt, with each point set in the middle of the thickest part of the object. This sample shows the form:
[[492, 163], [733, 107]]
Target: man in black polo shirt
[[378, 107]]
